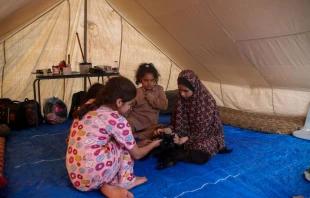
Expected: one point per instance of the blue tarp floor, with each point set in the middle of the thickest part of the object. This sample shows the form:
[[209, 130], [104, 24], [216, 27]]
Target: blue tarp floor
[[261, 165]]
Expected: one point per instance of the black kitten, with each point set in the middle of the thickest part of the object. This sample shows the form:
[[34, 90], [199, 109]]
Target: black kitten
[[166, 152], [167, 142], [169, 154]]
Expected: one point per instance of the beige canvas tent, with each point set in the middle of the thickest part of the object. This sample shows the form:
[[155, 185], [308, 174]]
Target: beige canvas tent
[[251, 55]]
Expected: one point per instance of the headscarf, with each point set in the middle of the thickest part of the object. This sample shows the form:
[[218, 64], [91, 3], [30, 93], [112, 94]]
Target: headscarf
[[198, 118]]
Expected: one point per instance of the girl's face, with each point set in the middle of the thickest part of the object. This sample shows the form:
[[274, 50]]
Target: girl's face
[[123, 107], [184, 91], [148, 81]]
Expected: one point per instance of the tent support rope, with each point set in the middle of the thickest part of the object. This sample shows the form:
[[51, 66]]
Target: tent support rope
[[121, 45], [69, 32], [169, 76], [180, 45], [4, 60], [144, 36]]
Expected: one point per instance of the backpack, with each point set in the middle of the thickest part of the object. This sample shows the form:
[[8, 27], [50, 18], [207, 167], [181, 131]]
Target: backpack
[[4, 114], [30, 112], [17, 116]]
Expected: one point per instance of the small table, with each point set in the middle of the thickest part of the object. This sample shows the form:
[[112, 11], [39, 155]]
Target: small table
[[41, 77]]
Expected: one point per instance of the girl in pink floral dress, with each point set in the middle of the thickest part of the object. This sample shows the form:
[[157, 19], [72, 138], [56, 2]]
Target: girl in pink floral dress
[[101, 144]]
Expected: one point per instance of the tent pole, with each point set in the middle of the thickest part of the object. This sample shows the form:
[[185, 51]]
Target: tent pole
[[85, 31]]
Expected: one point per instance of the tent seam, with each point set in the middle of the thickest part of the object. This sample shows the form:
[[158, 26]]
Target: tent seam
[[4, 63], [271, 37], [48, 40], [180, 45], [220, 24], [121, 44], [35, 19], [68, 37], [143, 34], [216, 19], [169, 76]]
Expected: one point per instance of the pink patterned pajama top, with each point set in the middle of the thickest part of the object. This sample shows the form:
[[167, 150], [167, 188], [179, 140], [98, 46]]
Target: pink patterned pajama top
[[98, 151]]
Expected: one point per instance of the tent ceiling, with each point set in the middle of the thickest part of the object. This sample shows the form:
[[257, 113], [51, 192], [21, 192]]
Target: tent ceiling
[[16, 14], [241, 42], [251, 55], [11, 7]]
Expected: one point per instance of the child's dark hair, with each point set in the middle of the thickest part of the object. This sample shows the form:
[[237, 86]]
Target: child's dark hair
[[115, 88], [146, 68], [93, 91]]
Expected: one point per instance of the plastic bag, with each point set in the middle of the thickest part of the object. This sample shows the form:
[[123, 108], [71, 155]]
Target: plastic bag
[[55, 111]]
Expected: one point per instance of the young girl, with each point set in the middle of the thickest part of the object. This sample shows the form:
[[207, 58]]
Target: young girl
[[101, 144], [196, 121], [149, 101], [92, 92]]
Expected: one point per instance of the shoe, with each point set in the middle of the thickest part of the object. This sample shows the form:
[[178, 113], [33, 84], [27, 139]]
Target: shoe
[[307, 174]]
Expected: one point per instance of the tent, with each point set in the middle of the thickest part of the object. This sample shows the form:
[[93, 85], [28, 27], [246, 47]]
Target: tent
[[251, 55]]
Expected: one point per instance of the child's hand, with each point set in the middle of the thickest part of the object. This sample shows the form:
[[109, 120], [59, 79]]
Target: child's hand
[[156, 142], [177, 140], [168, 130], [161, 130], [158, 131], [149, 96]]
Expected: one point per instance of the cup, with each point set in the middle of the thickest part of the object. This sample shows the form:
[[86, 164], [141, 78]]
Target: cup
[[115, 69], [84, 68], [45, 72], [66, 71], [56, 70]]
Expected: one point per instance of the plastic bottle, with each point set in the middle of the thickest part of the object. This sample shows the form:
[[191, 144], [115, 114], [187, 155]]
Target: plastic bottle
[[115, 67]]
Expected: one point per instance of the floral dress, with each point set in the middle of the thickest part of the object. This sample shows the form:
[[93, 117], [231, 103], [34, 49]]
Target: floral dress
[[198, 118], [97, 151]]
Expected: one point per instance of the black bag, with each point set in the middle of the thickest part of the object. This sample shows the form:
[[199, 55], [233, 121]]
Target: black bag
[[77, 100], [4, 113], [30, 112], [17, 116], [4, 101]]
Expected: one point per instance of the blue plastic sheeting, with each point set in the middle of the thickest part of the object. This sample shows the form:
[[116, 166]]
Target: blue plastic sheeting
[[261, 165]]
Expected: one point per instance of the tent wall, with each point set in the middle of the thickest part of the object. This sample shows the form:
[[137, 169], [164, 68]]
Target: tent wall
[[49, 38], [251, 55]]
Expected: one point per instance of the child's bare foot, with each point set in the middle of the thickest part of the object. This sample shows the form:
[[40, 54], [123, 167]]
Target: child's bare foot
[[138, 181], [115, 192]]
